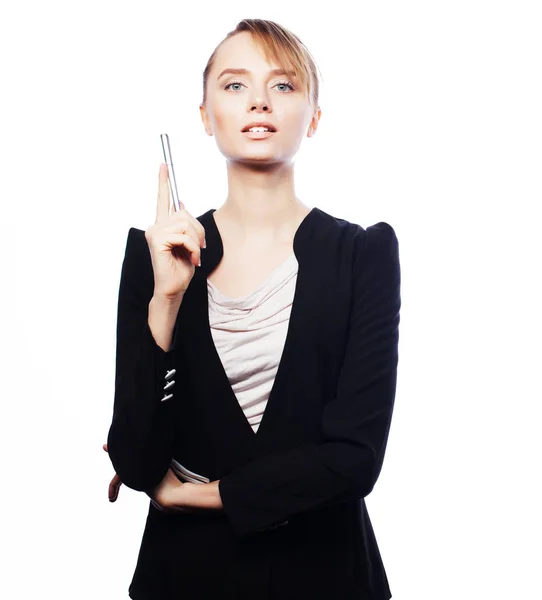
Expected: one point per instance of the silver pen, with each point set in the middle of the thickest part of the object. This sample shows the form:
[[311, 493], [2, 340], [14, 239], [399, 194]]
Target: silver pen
[[177, 204]]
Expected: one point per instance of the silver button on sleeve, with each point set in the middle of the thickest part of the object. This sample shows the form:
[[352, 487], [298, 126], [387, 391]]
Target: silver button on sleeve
[[170, 374]]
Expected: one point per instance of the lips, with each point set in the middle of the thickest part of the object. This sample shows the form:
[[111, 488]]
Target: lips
[[266, 124], [258, 135]]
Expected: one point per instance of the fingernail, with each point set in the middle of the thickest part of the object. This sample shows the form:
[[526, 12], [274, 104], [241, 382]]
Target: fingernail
[[204, 243], [199, 264]]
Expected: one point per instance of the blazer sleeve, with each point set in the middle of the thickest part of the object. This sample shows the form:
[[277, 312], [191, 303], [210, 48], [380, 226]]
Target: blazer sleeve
[[140, 439], [355, 423]]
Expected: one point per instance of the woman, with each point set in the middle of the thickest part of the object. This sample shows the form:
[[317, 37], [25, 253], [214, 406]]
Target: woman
[[254, 393]]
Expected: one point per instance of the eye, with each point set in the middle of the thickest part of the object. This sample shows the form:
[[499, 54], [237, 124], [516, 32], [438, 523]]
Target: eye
[[286, 83], [233, 83]]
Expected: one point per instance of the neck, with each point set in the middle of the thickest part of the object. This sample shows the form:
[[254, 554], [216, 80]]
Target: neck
[[261, 201]]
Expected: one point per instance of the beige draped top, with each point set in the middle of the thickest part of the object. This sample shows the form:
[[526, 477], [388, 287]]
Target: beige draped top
[[249, 334]]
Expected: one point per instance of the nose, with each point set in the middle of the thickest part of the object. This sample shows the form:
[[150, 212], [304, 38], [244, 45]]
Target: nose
[[259, 104]]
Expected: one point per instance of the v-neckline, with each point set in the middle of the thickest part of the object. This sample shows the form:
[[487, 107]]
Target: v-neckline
[[229, 301], [288, 340]]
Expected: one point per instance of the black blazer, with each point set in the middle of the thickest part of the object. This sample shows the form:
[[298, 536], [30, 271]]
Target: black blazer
[[319, 448]]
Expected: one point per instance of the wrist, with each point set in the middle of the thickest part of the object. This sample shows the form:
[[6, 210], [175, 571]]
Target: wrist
[[163, 302], [201, 496]]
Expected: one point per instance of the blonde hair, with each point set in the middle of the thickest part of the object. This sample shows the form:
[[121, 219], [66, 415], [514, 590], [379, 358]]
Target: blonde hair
[[280, 45]]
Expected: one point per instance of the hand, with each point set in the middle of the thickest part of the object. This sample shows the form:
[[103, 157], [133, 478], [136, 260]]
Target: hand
[[167, 495], [114, 485], [174, 242]]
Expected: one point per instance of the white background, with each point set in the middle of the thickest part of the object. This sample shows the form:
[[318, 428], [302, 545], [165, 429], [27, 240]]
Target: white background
[[431, 121]]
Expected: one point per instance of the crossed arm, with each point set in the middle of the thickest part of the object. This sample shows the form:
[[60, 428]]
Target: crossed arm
[[355, 422], [172, 495]]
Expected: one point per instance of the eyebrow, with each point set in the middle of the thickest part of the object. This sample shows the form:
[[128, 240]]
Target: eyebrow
[[247, 72]]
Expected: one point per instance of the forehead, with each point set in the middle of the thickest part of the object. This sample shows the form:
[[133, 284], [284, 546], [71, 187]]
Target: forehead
[[242, 52]]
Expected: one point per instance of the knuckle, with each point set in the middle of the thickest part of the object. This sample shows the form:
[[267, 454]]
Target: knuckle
[[180, 216]]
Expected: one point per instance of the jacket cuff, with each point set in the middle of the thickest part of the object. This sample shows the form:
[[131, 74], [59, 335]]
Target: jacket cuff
[[164, 361]]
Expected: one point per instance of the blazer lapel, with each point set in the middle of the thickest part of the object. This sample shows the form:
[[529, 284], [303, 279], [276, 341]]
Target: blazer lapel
[[198, 349]]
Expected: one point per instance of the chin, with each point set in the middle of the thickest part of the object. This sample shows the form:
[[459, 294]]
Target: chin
[[263, 163], [256, 158]]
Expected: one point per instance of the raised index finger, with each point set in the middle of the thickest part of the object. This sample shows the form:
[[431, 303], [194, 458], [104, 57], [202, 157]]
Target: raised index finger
[[162, 203]]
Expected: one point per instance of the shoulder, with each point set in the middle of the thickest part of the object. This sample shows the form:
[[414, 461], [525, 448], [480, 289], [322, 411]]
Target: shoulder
[[381, 242], [136, 238], [137, 263], [136, 248], [378, 240]]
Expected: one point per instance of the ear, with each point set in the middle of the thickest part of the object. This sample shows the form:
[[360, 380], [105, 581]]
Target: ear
[[314, 122], [205, 119]]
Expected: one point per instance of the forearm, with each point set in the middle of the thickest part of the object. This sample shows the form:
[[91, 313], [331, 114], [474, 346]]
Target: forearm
[[141, 435], [201, 496], [162, 317]]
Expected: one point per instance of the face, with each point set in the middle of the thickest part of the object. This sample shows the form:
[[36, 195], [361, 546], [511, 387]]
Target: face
[[236, 100]]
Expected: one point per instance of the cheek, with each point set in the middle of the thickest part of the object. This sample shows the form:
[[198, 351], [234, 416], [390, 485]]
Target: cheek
[[226, 116], [292, 119], [294, 126], [221, 119]]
